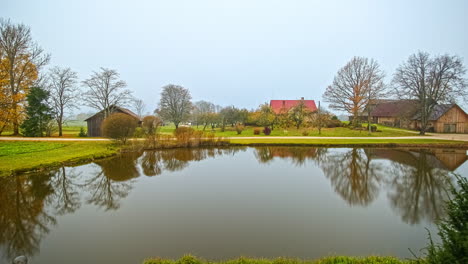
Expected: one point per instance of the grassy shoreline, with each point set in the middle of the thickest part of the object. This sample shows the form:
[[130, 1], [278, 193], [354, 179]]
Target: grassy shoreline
[[189, 259], [30, 156]]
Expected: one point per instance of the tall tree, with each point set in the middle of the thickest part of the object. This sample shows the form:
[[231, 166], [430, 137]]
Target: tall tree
[[354, 84], [63, 92], [139, 106], [175, 104], [38, 113], [106, 91], [202, 113], [430, 81], [20, 62]]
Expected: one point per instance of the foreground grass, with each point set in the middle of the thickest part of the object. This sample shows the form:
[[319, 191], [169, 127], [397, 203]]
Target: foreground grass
[[328, 260], [350, 142], [18, 156]]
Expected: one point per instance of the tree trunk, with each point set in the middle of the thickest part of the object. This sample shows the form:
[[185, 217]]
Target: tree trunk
[[60, 128]]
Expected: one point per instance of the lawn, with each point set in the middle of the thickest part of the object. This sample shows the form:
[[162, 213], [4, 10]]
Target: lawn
[[31, 155], [313, 132]]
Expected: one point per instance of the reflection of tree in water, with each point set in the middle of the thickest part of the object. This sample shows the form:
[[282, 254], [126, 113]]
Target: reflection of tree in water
[[353, 175], [298, 155], [23, 220], [66, 195], [418, 185], [112, 182], [155, 162]]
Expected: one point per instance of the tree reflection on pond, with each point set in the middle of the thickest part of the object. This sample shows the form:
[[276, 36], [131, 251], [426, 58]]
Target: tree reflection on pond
[[415, 180]]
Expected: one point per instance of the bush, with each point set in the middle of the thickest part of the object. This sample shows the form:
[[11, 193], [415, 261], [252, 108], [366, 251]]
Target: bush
[[119, 126], [373, 128], [334, 123], [239, 128], [139, 133], [267, 131], [82, 132], [305, 133], [453, 230], [256, 131]]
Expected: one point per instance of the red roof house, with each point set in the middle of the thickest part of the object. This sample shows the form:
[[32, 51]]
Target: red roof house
[[285, 105]]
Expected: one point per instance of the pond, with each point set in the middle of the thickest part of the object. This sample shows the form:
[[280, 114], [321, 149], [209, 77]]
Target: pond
[[223, 203]]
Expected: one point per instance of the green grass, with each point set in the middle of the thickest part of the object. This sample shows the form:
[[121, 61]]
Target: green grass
[[313, 132], [188, 259], [17, 156], [348, 142]]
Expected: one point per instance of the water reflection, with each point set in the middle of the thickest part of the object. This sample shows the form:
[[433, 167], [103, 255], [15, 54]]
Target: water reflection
[[416, 180], [413, 181]]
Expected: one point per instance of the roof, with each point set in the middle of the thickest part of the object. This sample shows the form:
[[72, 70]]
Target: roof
[[117, 108], [438, 111], [395, 108], [277, 105]]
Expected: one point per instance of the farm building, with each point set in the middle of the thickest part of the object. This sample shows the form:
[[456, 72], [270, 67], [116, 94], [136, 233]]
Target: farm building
[[95, 122], [285, 105], [445, 118]]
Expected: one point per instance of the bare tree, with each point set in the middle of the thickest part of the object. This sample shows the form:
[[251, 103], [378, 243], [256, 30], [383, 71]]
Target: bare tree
[[106, 91], [139, 107], [354, 85], [21, 59], [63, 92], [202, 113], [175, 104], [430, 81]]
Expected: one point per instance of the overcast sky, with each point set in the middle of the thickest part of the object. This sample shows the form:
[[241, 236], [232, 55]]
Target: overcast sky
[[238, 52]]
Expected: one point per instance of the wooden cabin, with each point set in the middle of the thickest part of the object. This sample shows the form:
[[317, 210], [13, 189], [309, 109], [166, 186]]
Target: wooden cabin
[[94, 122]]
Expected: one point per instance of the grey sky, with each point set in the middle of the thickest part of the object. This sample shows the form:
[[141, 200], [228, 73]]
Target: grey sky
[[241, 52]]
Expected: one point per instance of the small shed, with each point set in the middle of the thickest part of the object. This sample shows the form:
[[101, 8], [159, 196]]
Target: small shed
[[94, 122]]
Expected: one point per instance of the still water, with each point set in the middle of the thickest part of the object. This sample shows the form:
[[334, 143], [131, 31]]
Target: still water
[[224, 203]]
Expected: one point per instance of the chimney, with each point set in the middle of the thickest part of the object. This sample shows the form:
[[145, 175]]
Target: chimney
[[302, 98]]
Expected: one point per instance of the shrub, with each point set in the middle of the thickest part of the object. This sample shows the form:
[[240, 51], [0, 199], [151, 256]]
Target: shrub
[[305, 133], [267, 131], [119, 126], [151, 124], [256, 131], [138, 132], [239, 128], [453, 230], [82, 132], [334, 123]]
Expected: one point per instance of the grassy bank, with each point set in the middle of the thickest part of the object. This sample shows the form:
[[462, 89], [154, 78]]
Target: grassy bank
[[328, 260], [330, 142], [20, 156]]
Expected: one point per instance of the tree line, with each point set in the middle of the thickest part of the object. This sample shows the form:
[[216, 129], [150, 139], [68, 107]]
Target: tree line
[[37, 100]]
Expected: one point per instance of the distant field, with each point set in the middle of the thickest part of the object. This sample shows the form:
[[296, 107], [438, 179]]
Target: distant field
[[279, 132]]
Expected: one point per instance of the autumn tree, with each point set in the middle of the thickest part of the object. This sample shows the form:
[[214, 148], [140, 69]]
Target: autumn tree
[[203, 113], [20, 61], [175, 104], [106, 91], [266, 115], [354, 85], [430, 81], [63, 92], [299, 113]]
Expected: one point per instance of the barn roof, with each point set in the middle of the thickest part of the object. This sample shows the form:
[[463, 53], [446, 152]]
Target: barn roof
[[277, 105], [116, 108], [395, 108], [438, 111]]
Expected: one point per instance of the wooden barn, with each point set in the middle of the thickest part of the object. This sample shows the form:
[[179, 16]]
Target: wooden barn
[[95, 122], [445, 118]]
